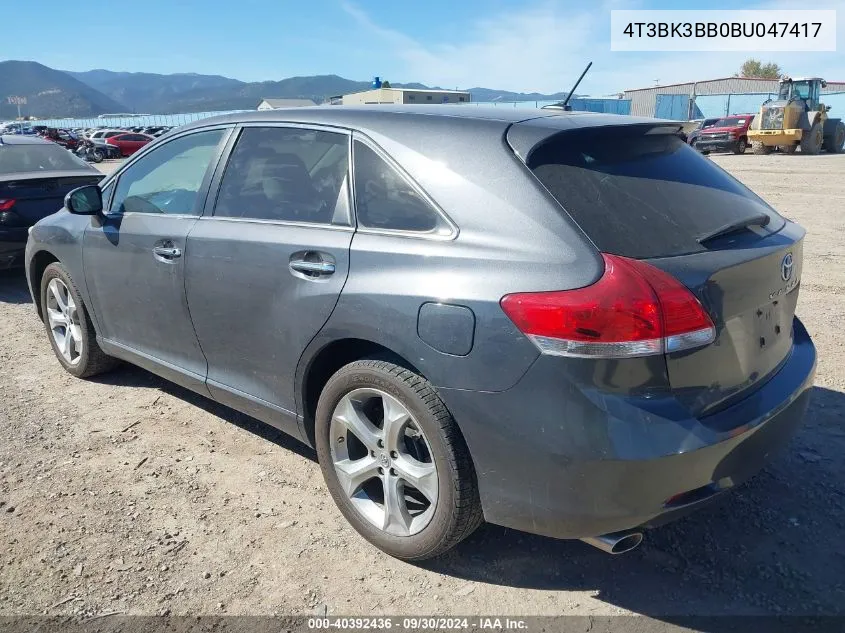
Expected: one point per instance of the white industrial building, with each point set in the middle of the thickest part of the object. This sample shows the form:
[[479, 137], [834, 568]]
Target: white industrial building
[[404, 95]]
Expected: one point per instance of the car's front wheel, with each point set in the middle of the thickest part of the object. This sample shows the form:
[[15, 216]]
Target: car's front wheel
[[394, 460], [68, 325]]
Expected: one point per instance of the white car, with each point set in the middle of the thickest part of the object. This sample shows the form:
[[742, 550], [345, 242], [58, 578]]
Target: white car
[[102, 135]]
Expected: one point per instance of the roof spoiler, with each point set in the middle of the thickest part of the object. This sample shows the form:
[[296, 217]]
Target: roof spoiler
[[525, 137]]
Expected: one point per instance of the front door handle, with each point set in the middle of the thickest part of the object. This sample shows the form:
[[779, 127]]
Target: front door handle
[[167, 252], [312, 268]]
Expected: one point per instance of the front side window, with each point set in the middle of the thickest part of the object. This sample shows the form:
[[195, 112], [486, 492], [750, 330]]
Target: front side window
[[287, 175], [168, 179], [386, 200]]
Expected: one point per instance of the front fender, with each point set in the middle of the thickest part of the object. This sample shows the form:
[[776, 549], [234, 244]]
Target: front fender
[[60, 235]]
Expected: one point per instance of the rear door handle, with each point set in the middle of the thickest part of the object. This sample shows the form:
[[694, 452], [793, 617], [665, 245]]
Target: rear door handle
[[167, 252], [312, 268]]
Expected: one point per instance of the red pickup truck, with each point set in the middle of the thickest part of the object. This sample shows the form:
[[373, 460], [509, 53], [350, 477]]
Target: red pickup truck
[[729, 134]]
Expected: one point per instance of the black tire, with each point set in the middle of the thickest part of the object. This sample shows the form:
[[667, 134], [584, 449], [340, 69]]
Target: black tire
[[705, 152], [458, 510], [760, 149], [97, 156], [811, 142], [92, 359], [741, 146], [836, 141]]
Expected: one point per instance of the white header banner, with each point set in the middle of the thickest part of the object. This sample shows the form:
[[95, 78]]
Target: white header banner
[[746, 30]]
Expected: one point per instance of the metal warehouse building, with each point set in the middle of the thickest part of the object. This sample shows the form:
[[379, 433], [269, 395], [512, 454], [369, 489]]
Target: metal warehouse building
[[718, 97]]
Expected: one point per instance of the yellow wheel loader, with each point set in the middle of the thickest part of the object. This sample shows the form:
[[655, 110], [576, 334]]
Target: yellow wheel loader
[[796, 119]]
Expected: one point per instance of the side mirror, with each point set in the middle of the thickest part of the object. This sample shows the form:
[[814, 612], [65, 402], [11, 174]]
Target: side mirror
[[87, 200]]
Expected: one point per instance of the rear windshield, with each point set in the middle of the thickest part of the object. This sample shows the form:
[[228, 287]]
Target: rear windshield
[[643, 195], [16, 159]]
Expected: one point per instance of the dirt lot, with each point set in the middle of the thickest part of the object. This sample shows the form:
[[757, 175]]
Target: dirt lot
[[129, 494]]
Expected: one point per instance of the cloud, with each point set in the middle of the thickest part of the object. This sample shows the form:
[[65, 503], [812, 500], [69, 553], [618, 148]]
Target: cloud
[[543, 48], [534, 49]]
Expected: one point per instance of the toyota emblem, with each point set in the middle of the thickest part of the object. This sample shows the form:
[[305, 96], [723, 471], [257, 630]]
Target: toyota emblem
[[786, 266]]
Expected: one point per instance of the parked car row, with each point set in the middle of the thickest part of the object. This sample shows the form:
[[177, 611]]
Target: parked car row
[[126, 140], [150, 130], [634, 354]]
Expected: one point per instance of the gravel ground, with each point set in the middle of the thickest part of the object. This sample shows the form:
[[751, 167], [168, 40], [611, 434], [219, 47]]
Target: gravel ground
[[128, 494]]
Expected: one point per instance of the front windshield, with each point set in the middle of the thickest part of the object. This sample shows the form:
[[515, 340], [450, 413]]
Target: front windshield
[[796, 90], [801, 90], [732, 122]]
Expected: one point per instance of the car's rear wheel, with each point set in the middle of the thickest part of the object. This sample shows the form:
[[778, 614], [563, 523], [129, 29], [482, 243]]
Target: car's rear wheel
[[394, 460], [69, 328]]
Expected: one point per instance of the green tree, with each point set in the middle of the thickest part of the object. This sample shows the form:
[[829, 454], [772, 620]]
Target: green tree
[[385, 84], [757, 69]]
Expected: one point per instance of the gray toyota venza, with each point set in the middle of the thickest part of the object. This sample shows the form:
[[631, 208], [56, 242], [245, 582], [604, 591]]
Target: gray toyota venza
[[565, 323]]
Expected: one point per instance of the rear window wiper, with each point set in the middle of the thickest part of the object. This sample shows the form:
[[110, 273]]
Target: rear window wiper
[[759, 219]]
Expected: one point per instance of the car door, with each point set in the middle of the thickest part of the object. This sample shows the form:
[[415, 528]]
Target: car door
[[119, 141], [134, 256], [267, 261], [135, 142]]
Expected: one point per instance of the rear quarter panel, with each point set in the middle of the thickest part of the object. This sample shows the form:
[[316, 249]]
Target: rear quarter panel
[[511, 237]]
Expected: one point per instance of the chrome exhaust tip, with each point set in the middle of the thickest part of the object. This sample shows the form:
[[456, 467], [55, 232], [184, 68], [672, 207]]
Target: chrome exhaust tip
[[616, 542]]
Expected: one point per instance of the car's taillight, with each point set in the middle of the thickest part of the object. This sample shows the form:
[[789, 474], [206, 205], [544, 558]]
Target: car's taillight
[[6, 204], [635, 309]]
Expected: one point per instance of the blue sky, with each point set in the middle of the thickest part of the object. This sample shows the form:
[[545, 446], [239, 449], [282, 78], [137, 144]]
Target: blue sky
[[527, 45]]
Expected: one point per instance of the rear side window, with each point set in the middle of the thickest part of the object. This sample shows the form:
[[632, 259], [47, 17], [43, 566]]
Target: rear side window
[[287, 175], [386, 200], [643, 195]]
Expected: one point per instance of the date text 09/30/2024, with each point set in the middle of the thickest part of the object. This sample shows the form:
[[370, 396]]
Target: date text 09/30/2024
[[417, 623]]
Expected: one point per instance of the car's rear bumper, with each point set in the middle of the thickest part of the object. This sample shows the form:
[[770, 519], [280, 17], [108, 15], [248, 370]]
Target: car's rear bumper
[[12, 246], [557, 460]]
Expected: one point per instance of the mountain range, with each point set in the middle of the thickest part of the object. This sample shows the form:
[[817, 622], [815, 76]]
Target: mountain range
[[55, 93]]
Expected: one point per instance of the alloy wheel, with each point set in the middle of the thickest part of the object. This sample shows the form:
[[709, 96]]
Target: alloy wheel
[[383, 462], [63, 317]]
